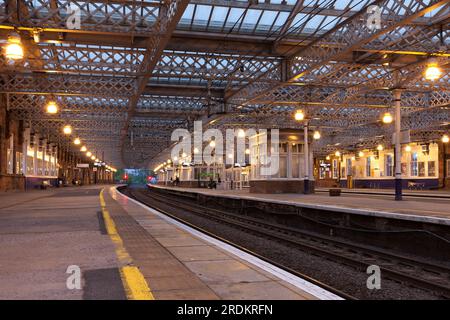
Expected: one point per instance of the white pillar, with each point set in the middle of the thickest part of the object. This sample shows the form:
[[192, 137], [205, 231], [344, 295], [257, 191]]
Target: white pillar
[[44, 154], [35, 158], [25, 144]]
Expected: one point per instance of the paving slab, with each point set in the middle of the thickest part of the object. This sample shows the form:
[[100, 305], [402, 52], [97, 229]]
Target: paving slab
[[42, 234], [213, 272]]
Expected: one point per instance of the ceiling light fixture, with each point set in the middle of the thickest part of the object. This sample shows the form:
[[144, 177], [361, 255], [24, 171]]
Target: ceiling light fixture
[[13, 49]]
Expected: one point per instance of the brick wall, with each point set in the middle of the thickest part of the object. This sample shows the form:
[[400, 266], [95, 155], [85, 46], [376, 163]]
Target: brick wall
[[8, 127]]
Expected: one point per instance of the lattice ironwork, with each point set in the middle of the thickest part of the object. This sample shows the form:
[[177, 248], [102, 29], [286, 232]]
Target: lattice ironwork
[[106, 16], [123, 88]]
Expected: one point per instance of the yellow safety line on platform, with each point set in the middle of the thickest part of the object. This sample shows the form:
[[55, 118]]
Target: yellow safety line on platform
[[136, 287]]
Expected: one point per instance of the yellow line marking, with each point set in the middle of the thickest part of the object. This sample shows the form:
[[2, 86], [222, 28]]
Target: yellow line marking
[[134, 283]]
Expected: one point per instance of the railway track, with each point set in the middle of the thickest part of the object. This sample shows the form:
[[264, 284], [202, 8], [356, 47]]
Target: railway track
[[420, 274]]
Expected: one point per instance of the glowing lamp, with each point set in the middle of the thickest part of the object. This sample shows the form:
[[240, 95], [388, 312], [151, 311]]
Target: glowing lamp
[[299, 115], [387, 118], [433, 72], [67, 129], [77, 141], [14, 50], [316, 135], [445, 138], [52, 108]]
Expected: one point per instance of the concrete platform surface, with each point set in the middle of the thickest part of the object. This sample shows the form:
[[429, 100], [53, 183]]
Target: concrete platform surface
[[110, 238], [416, 209], [43, 233], [180, 265]]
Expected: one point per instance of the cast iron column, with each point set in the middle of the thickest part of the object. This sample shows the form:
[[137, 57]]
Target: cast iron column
[[306, 153], [398, 147]]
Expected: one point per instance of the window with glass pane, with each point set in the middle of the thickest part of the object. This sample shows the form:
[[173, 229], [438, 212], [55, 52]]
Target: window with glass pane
[[294, 148], [295, 166], [283, 147], [421, 167], [349, 167], [431, 168], [389, 165], [368, 167], [9, 157], [335, 169], [448, 168], [283, 167], [19, 169], [414, 165]]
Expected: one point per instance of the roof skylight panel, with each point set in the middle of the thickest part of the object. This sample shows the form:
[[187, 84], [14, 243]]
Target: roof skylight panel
[[187, 15], [216, 18], [267, 20], [314, 23], [252, 17], [354, 5], [280, 20], [234, 17], [202, 14]]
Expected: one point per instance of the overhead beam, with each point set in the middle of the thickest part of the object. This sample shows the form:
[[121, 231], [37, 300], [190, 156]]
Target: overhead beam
[[347, 36], [169, 15]]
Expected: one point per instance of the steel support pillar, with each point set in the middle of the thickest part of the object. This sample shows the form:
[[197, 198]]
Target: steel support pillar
[[398, 147], [306, 155]]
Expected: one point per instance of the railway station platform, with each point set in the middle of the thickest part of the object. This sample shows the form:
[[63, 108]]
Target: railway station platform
[[123, 250], [418, 206]]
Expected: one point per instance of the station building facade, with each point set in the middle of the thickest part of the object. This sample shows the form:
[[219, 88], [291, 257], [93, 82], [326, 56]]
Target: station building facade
[[29, 159], [425, 166]]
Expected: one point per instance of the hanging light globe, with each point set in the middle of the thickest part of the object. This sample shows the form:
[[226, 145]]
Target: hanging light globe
[[445, 138], [299, 115], [316, 135], [433, 72], [67, 129], [13, 49], [387, 118], [52, 108]]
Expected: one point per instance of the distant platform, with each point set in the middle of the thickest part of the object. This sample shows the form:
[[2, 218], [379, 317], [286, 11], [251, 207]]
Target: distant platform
[[124, 250], [419, 206], [408, 193]]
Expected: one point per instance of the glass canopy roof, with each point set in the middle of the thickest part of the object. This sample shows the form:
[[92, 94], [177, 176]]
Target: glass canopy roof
[[267, 18]]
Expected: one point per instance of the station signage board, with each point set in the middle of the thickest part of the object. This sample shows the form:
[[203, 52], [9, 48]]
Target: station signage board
[[82, 165]]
